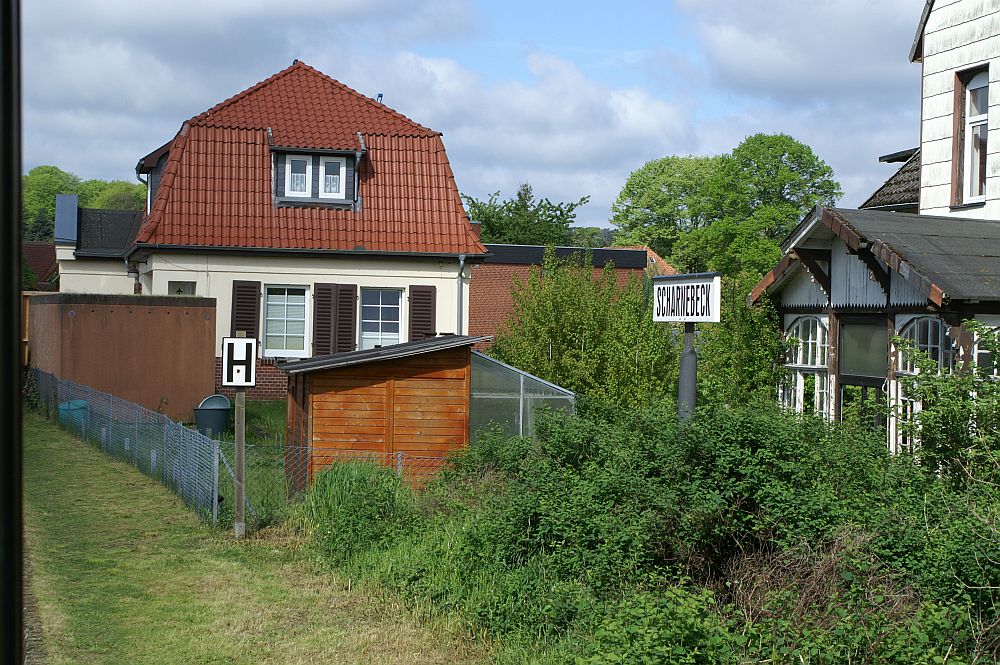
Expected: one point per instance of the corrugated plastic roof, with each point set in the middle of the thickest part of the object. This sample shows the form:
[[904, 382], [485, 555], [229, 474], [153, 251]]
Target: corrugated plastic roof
[[216, 188]]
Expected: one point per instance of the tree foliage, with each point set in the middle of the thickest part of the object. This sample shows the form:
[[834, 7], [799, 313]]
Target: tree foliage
[[523, 219], [581, 331], [664, 199], [726, 213], [42, 183]]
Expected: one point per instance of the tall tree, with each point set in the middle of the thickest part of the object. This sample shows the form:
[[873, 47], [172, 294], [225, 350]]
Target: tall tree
[[523, 220], [42, 183], [726, 213], [761, 191], [39, 189], [665, 198]]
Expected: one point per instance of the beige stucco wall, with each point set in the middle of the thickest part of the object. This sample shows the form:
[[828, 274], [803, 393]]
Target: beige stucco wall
[[960, 34], [213, 275], [108, 276]]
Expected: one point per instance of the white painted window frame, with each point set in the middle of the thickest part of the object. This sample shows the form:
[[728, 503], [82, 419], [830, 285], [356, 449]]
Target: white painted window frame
[[288, 176], [808, 358], [361, 318], [979, 80], [342, 194], [306, 339]]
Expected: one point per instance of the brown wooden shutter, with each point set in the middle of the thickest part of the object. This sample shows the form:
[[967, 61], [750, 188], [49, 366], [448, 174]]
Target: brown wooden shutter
[[422, 312], [324, 296], [246, 308], [345, 318]]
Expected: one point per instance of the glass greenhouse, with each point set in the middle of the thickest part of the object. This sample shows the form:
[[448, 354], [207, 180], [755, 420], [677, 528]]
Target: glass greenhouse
[[507, 397]]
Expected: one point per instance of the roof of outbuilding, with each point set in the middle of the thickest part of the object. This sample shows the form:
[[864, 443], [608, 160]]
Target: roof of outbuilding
[[945, 258], [621, 257], [41, 258], [216, 187], [106, 233], [393, 352], [901, 189]]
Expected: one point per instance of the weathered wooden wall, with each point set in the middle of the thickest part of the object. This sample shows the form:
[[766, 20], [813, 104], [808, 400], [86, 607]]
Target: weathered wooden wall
[[157, 351], [418, 406]]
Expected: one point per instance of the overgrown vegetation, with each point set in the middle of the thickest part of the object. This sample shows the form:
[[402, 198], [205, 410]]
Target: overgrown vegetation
[[748, 535], [584, 332]]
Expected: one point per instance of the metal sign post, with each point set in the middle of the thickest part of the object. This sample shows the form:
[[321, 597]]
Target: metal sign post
[[687, 299], [239, 370]]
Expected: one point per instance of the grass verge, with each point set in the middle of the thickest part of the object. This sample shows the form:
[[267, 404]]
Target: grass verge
[[123, 573]]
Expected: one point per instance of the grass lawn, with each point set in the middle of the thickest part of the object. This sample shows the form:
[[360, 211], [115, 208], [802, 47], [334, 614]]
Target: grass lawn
[[122, 572]]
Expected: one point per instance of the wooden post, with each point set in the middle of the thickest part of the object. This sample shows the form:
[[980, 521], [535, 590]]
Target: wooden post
[[239, 523]]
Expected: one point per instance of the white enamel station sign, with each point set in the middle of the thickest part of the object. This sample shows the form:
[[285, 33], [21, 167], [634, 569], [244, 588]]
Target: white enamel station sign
[[692, 298]]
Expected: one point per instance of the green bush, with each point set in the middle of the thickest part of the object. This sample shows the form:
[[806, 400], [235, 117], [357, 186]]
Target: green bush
[[356, 506]]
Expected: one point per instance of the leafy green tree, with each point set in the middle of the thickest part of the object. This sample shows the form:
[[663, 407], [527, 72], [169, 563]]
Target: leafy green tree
[[523, 220], [119, 195], [664, 199], [42, 183], [583, 332], [39, 189], [761, 191], [588, 236]]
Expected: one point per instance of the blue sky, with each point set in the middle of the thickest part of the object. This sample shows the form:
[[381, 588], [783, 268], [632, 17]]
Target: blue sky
[[570, 97]]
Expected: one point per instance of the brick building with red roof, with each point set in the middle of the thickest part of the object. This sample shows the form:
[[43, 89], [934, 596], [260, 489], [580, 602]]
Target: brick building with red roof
[[319, 219]]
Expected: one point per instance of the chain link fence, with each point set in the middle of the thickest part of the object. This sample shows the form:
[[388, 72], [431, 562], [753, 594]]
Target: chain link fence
[[198, 468], [181, 458]]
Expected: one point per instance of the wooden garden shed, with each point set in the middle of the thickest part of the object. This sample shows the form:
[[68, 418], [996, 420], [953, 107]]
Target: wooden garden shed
[[404, 405]]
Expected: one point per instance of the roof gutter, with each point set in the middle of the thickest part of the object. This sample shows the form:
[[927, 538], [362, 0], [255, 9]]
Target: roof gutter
[[277, 251]]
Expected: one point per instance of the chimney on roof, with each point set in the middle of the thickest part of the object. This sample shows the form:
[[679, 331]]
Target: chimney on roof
[[295, 61], [378, 98], [67, 213]]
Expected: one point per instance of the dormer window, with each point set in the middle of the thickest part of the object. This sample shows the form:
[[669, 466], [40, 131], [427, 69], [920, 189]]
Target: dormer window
[[310, 179], [298, 175], [332, 174]]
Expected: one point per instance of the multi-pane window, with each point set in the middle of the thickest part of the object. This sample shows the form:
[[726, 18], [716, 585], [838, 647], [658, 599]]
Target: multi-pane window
[[380, 317], [808, 387], [929, 335], [976, 132], [285, 321], [298, 175], [332, 171]]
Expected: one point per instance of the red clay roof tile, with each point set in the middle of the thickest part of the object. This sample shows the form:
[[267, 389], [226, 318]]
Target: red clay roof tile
[[216, 186]]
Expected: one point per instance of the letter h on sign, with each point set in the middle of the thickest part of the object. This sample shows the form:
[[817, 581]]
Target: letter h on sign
[[239, 362]]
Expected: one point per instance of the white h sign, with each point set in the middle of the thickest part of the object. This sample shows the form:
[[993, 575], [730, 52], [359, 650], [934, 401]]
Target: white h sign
[[239, 362], [690, 298]]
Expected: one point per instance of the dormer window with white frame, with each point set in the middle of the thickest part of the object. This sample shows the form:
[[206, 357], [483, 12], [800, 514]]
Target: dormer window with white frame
[[298, 175], [977, 94], [332, 176]]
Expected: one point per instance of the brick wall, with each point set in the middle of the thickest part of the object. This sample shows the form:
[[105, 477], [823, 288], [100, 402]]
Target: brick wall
[[272, 383], [491, 298]]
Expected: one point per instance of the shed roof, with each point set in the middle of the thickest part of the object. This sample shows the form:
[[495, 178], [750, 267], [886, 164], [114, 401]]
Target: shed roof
[[106, 233], [621, 257], [393, 352]]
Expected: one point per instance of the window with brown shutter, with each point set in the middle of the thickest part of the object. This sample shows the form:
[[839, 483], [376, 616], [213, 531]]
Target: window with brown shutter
[[334, 317], [246, 308], [422, 312]]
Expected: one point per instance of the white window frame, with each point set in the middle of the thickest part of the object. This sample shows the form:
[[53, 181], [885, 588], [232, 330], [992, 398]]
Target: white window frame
[[288, 176], [929, 334], [808, 357], [342, 194], [306, 341], [972, 122], [361, 316]]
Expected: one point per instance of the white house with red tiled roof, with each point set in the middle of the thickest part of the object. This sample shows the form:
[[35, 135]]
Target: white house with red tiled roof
[[319, 219]]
